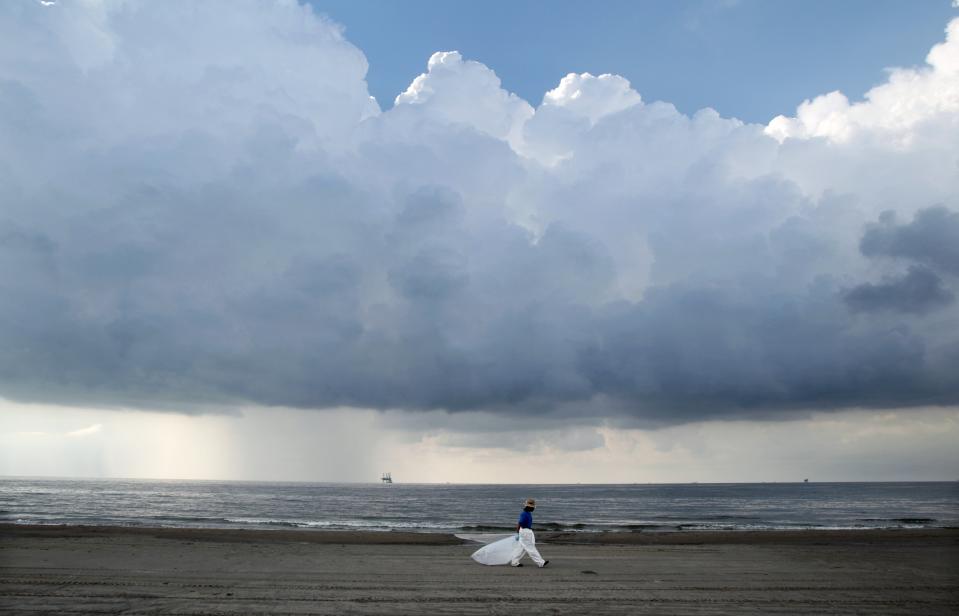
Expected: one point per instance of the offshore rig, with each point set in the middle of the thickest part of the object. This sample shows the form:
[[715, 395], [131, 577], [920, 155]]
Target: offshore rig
[[387, 478]]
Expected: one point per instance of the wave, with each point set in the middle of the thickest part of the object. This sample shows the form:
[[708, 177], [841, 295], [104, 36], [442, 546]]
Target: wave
[[388, 525], [561, 526], [566, 527], [280, 523], [901, 520], [186, 518], [385, 523]]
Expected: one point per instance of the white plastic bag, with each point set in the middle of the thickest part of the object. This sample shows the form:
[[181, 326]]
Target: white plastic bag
[[499, 552]]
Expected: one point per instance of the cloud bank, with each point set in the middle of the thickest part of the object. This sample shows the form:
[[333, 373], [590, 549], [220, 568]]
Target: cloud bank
[[203, 206]]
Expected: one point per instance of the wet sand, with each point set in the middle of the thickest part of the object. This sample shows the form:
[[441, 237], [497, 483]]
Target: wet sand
[[90, 570]]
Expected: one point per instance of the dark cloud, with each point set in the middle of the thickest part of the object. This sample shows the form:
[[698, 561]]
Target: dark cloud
[[932, 238], [917, 291], [735, 351], [180, 234], [496, 323]]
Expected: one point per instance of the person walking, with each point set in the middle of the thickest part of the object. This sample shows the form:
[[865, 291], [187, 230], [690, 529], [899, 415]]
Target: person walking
[[526, 540]]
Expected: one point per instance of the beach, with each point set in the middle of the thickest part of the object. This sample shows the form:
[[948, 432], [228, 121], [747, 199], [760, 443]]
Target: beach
[[112, 570]]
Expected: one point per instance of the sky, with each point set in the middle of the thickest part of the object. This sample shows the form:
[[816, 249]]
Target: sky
[[750, 59], [634, 242]]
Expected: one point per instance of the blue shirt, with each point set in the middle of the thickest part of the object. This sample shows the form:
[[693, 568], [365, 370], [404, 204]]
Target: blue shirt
[[525, 520]]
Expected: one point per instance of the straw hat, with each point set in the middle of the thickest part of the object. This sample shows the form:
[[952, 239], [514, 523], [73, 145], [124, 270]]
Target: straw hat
[[530, 502]]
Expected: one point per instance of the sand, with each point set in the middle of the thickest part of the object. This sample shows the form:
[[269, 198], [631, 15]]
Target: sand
[[68, 570]]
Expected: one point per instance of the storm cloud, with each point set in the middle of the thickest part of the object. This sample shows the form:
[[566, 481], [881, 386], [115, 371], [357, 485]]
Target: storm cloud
[[202, 206], [918, 290], [932, 239]]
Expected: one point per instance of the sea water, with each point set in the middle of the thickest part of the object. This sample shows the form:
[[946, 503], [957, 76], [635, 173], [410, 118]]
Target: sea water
[[479, 508]]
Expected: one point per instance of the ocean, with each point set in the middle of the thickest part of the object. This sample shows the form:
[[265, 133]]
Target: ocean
[[479, 508]]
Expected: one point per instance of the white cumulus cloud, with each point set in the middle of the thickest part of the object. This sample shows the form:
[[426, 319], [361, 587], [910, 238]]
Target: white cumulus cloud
[[467, 92], [591, 96], [892, 111]]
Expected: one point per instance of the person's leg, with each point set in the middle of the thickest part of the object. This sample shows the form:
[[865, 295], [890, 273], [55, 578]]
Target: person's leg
[[528, 540], [518, 552]]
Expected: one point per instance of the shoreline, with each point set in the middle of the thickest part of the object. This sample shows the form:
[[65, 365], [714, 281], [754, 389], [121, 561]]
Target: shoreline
[[350, 537]]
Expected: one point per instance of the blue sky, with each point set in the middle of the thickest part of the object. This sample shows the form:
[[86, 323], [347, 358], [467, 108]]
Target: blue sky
[[752, 59]]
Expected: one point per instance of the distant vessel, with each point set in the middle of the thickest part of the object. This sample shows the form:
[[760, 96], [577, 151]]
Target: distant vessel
[[387, 478], [805, 481]]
